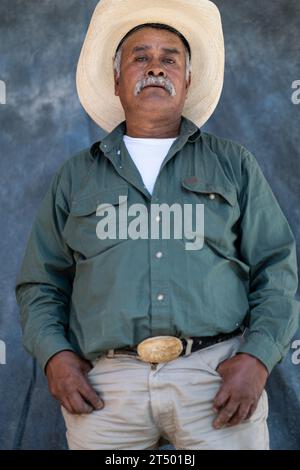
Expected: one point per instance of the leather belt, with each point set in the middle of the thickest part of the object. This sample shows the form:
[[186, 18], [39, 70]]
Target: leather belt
[[167, 348]]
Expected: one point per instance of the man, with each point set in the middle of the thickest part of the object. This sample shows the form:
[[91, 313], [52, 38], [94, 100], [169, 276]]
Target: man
[[142, 334]]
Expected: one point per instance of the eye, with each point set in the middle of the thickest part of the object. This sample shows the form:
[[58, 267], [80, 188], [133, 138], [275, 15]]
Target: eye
[[141, 59], [170, 61]]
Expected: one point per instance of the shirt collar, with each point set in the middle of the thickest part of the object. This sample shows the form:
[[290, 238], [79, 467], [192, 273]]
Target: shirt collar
[[188, 131]]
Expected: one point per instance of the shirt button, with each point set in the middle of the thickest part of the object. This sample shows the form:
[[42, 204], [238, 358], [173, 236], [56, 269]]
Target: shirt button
[[160, 297], [159, 254], [157, 218], [212, 196]]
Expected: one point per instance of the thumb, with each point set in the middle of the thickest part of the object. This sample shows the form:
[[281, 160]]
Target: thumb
[[220, 399], [86, 366], [91, 396]]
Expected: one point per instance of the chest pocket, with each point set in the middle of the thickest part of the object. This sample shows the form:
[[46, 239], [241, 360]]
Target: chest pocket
[[94, 222], [219, 200]]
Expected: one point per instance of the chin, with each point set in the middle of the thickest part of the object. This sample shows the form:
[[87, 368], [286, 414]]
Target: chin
[[159, 109]]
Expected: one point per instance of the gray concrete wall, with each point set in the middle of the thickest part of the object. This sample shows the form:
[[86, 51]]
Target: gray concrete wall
[[42, 124]]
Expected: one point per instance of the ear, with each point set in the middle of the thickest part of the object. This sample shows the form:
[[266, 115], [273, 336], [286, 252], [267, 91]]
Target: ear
[[187, 85], [116, 82], [188, 82]]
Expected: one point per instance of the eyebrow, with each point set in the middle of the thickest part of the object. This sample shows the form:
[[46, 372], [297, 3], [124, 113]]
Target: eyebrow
[[144, 47]]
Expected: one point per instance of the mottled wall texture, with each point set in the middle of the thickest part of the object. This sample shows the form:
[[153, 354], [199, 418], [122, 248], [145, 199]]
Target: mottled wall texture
[[42, 124]]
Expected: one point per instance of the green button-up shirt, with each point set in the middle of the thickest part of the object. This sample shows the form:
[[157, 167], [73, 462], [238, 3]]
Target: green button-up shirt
[[79, 292]]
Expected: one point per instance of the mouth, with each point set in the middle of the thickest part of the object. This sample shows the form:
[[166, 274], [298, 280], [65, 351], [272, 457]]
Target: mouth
[[155, 86], [165, 85]]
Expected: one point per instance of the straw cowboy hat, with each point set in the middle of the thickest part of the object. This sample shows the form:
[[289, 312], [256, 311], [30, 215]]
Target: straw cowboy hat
[[197, 20]]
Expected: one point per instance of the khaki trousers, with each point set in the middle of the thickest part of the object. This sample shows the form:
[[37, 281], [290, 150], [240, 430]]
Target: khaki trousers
[[173, 402]]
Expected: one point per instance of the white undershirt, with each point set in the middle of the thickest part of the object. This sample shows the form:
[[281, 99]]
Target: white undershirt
[[148, 155]]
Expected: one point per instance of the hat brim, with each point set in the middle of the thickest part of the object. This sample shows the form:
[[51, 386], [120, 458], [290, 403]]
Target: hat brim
[[200, 23]]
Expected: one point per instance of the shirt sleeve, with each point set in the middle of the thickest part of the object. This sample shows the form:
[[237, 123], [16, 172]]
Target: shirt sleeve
[[267, 245], [44, 283]]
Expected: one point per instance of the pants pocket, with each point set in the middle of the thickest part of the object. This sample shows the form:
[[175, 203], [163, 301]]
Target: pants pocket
[[212, 356], [95, 363], [262, 410]]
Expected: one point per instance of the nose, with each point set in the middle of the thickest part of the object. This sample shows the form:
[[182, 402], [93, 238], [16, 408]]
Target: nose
[[156, 73], [155, 69]]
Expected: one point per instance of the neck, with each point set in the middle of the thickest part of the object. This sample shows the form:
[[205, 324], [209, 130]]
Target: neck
[[154, 130]]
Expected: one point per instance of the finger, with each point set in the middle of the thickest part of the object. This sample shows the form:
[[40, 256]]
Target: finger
[[91, 396], [252, 410], [220, 399], [79, 405], [219, 366], [225, 414], [65, 404], [240, 415]]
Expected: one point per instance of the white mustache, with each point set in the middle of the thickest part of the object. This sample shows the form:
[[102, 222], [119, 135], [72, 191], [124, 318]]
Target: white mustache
[[160, 81]]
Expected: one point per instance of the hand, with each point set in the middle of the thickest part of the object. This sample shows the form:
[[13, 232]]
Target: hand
[[67, 380], [244, 377]]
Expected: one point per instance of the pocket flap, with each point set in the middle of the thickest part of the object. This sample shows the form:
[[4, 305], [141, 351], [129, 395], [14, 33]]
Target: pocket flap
[[193, 183], [89, 204]]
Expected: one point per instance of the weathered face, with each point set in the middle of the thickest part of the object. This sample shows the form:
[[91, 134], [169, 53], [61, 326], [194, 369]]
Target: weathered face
[[152, 53]]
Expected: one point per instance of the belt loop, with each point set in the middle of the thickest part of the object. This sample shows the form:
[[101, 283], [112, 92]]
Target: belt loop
[[111, 353], [189, 345]]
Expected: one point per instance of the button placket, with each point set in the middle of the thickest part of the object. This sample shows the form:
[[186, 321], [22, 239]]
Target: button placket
[[160, 316]]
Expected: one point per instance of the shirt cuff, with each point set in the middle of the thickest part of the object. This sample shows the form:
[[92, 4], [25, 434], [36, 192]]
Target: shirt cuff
[[50, 345], [263, 348]]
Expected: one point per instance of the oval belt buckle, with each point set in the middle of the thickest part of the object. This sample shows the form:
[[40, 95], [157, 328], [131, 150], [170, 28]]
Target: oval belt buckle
[[159, 349]]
